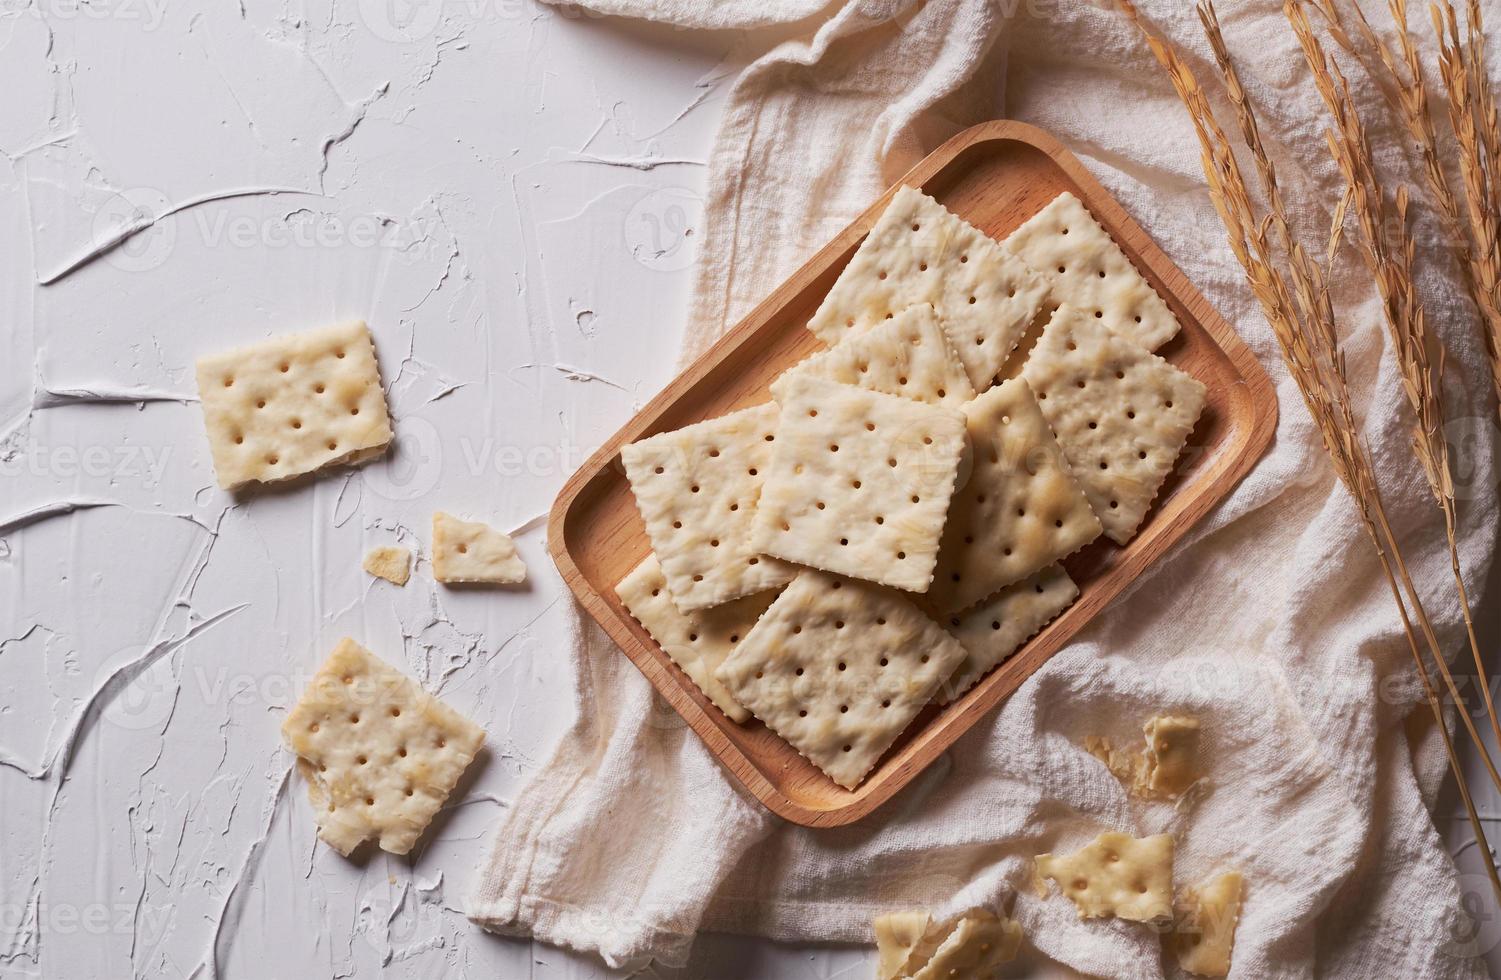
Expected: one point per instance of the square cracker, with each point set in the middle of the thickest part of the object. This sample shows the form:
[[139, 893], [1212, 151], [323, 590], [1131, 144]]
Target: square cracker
[[380, 754], [1089, 271], [1121, 414], [293, 404], [997, 627], [908, 355], [1116, 874], [1207, 916], [469, 551], [697, 641], [920, 252], [839, 668], [859, 482], [1020, 510], [697, 489]]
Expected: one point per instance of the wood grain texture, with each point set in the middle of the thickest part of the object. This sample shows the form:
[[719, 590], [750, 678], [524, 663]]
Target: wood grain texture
[[995, 175]]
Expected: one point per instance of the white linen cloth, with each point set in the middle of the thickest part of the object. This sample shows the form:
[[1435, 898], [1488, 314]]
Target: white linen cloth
[[1270, 621]]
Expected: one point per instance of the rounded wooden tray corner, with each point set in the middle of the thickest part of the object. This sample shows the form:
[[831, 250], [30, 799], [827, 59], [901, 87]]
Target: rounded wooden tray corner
[[995, 175]]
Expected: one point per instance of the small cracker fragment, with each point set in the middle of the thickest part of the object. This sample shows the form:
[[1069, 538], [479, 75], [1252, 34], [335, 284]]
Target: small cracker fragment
[[697, 489], [838, 668], [997, 627], [912, 946], [908, 356], [1021, 509], [392, 563], [977, 947], [897, 935], [1165, 769], [1122, 415], [697, 641], [293, 404], [1208, 914], [468, 551], [1116, 874], [380, 754], [1088, 270], [920, 252], [859, 482]]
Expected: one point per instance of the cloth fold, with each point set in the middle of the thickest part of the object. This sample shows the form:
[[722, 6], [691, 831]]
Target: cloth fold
[[1270, 621]]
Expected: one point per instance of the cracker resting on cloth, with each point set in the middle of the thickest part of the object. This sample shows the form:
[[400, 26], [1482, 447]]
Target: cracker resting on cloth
[[1116, 875]]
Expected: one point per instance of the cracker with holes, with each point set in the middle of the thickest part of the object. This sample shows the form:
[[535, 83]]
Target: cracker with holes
[[1021, 509], [838, 668], [472, 552], [920, 252], [1089, 271], [908, 355], [898, 935], [859, 482], [1116, 875], [293, 404], [979, 944], [1164, 768], [1204, 935], [997, 627], [697, 490], [380, 754], [697, 641], [1122, 415]]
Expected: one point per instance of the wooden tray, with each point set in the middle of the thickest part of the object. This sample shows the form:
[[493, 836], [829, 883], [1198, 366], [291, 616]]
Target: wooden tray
[[995, 175]]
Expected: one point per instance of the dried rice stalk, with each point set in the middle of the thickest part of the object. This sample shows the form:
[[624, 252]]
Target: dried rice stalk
[[1302, 319]]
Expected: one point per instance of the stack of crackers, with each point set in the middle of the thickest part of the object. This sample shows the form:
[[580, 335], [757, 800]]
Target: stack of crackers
[[891, 526]]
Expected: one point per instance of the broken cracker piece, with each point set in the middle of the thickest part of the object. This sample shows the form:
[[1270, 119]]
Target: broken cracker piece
[[978, 945], [697, 489], [467, 551], [380, 754], [908, 356], [293, 404], [839, 668], [697, 641], [1088, 270], [390, 562], [897, 935], [1116, 875], [1208, 914], [1165, 769], [920, 252]]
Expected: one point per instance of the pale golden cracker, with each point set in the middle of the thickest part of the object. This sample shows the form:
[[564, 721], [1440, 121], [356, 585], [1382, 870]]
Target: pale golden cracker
[[839, 668], [1208, 914], [697, 641], [859, 482], [1116, 875], [293, 404], [997, 627], [1021, 509], [1122, 415], [1088, 271], [379, 753], [468, 551], [908, 355], [920, 252], [697, 489], [392, 563]]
